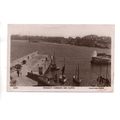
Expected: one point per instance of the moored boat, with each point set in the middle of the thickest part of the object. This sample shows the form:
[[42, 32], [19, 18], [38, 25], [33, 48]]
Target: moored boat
[[103, 81], [76, 77], [53, 65], [62, 77], [100, 58]]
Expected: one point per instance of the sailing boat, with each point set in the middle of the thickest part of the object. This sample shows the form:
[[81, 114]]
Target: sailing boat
[[107, 82], [53, 63], [62, 77], [76, 77], [103, 81]]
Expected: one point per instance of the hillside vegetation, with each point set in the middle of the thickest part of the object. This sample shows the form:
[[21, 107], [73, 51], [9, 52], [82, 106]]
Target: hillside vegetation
[[88, 40]]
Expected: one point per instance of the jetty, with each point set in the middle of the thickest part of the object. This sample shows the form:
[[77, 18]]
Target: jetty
[[31, 64]]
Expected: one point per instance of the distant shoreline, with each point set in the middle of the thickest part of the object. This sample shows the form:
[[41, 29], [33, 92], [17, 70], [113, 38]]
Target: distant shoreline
[[51, 43], [88, 41]]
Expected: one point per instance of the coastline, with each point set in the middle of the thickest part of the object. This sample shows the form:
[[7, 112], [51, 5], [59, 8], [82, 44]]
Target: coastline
[[46, 42]]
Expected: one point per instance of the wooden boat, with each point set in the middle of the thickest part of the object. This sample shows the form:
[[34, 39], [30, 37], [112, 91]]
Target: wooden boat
[[103, 81], [76, 77], [42, 80], [62, 77], [53, 65]]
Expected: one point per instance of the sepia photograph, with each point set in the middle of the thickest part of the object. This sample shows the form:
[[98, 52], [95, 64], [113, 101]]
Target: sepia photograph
[[61, 57]]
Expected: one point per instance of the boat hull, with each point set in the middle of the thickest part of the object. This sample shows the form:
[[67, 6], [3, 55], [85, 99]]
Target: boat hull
[[97, 60]]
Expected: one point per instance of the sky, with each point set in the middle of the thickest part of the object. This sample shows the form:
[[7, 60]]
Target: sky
[[64, 30]]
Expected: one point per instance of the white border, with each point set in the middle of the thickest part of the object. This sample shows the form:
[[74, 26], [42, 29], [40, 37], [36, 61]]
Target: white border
[[61, 88]]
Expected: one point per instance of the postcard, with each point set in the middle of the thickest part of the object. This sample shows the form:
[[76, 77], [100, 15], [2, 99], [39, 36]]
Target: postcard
[[61, 57]]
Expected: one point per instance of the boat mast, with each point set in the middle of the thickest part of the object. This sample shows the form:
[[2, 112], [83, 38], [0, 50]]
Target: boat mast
[[75, 71], [78, 71], [64, 65], [100, 69], [107, 71], [54, 58], [63, 68]]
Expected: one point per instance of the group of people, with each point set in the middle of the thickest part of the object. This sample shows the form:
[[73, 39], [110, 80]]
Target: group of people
[[19, 70], [103, 81], [13, 80]]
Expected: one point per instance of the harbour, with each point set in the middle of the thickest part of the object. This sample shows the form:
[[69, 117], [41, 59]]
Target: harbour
[[69, 55]]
